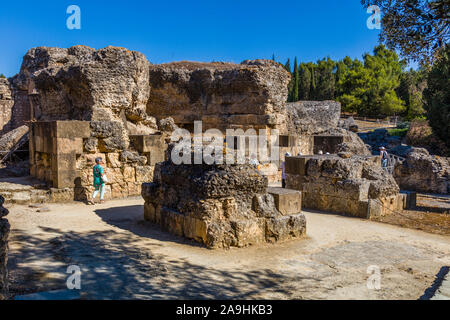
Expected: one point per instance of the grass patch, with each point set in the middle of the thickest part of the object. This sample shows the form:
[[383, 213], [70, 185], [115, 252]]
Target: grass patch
[[398, 132]]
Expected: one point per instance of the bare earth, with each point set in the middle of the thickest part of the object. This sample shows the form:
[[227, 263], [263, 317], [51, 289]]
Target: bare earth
[[123, 257]]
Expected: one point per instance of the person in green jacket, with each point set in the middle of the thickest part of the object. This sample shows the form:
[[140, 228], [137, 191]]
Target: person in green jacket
[[99, 182]]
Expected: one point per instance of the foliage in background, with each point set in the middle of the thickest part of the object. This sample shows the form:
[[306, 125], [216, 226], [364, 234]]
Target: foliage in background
[[2, 76], [368, 87], [418, 29], [437, 96]]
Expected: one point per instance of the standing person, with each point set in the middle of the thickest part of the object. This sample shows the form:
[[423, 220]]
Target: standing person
[[283, 171], [99, 181], [253, 160], [384, 157]]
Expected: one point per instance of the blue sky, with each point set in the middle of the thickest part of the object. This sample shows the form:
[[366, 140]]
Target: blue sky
[[198, 30]]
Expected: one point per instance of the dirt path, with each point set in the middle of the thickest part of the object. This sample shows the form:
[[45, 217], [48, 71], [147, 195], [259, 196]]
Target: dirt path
[[123, 257]]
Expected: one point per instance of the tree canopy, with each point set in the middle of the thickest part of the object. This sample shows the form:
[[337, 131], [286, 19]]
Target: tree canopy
[[418, 29]]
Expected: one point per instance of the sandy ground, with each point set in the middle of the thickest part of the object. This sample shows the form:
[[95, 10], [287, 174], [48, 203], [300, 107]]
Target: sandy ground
[[123, 257]]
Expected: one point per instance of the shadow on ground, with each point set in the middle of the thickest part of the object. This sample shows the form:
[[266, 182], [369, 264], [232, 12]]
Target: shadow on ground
[[114, 266]]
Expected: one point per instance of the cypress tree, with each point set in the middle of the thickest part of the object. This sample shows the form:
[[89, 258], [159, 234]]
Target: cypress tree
[[287, 65], [296, 82], [304, 87], [313, 84]]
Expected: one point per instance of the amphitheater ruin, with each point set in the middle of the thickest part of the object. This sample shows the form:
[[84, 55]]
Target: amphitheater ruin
[[68, 107]]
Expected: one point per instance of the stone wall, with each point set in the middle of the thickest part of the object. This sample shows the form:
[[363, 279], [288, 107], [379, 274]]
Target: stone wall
[[355, 186], [221, 205], [4, 232], [63, 153], [223, 95]]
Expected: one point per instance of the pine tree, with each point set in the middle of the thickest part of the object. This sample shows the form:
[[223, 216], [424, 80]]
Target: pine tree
[[273, 57], [304, 87], [296, 82]]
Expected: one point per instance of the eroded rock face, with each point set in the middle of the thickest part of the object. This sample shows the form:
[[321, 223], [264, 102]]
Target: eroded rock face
[[421, 171], [219, 94], [312, 117], [352, 185], [218, 205], [81, 83], [4, 233]]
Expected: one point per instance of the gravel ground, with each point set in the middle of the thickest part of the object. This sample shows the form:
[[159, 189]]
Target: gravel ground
[[123, 257]]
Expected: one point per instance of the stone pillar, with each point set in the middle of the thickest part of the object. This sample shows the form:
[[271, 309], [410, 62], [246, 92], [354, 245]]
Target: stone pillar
[[4, 232]]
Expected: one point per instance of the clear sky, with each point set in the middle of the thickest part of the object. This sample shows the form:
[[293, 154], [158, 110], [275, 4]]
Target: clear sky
[[197, 30]]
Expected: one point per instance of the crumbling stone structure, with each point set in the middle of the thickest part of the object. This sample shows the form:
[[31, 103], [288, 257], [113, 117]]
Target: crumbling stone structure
[[356, 185], [222, 205], [113, 95], [421, 171], [4, 233]]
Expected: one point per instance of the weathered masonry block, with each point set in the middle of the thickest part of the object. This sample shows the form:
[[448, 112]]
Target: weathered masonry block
[[286, 201], [153, 147], [54, 147], [355, 186], [221, 205]]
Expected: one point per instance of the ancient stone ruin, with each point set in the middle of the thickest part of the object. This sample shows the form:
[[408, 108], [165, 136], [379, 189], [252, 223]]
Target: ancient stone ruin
[[421, 171], [82, 103], [4, 232], [222, 205], [63, 153], [356, 185]]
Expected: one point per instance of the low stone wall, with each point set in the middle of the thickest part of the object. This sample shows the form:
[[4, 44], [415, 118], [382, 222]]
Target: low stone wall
[[4, 233], [221, 205], [63, 153], [355, 186]]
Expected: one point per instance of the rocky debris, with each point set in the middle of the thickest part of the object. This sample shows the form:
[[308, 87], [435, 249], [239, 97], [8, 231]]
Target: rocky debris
[[348, 124], [312, 117], [4, 233], [79, 83], [380, 138], [421, 171], [218, 205], [356, 185], [10, 139], [219, 94]]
